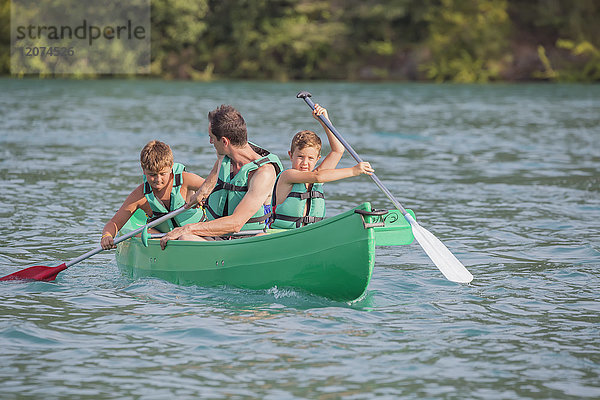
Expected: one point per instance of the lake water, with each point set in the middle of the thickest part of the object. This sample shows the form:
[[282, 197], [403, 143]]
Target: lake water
[[507, 176]]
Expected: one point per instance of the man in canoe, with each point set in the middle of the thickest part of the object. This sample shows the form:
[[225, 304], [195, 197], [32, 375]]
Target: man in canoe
[[241, 199], [298, 197], [166, 187]]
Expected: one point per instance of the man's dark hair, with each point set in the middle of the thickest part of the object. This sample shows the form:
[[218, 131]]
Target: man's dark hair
[[226, 121]]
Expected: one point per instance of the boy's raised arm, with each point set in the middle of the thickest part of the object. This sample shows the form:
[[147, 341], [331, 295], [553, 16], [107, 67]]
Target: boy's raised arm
[[337, 148]]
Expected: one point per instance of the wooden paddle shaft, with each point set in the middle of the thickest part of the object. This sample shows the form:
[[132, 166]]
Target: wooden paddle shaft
[[306, 96]]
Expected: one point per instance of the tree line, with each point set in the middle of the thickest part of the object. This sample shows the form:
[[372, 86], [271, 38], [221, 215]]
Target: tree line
[[424, 40]]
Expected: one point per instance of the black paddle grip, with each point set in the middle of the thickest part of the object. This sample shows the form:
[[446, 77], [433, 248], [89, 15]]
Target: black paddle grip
[[303, 94]]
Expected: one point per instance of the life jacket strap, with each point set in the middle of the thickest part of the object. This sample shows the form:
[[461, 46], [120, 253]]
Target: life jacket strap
[[260, 219], [178, 180], [211, 211], [228, 186], [313, 194], [261, 161], [156, 215], [298, 220]]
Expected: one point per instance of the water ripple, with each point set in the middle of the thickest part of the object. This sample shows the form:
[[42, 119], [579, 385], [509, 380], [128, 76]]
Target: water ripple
[[505, 175]]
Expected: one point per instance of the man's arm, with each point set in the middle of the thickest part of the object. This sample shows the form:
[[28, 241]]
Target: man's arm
[[259, 189], [207, 186]]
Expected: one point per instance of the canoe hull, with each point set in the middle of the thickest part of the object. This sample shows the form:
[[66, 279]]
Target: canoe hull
[[333, 258]]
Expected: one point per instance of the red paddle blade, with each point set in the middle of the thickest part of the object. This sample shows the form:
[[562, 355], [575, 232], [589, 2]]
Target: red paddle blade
[[37, 273]]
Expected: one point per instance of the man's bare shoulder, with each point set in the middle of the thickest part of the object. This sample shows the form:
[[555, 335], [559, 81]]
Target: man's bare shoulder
[[263, 177], [266, 171]]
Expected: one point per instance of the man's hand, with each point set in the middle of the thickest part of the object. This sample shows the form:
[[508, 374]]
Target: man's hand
[[194, 201], [197, 199], [173, 235]]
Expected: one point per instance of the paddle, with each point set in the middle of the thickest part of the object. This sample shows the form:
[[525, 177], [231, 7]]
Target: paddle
[[43, 273], [446, 262]]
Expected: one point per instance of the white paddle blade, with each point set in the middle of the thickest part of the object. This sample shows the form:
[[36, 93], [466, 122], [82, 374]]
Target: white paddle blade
[[443, 258]]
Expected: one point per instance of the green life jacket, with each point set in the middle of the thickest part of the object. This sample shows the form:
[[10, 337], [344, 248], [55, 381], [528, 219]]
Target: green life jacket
[[158, 208], [229, 190], [301, 206]]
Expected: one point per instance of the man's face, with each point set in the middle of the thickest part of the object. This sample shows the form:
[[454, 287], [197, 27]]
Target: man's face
[[218, 144]]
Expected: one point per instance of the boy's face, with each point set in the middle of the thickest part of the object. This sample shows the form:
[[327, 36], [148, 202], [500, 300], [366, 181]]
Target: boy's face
[[158, 179], [304, 159]]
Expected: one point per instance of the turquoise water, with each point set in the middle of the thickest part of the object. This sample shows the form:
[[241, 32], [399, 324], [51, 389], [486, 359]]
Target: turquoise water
[[507, 176]]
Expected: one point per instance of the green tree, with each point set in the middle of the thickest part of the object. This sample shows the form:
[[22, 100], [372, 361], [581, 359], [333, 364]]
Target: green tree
[[178, 27], [4, 36], [383, 38], [566, 34], [438, 40], [467, 40], [270, 39]]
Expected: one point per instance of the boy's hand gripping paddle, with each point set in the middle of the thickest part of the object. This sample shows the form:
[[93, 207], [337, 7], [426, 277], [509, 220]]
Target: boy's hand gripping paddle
[[43, 273], [446, 262]]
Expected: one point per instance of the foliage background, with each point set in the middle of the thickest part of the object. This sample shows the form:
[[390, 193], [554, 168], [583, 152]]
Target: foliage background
[[426, 40]]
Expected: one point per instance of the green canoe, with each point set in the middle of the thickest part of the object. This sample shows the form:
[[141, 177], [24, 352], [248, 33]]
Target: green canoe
[[333, 258]]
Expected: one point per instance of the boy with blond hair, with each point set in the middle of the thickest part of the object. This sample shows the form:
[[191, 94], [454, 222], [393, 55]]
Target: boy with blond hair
[[166, 187], [298, 197]]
